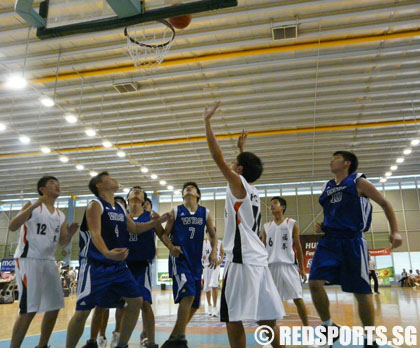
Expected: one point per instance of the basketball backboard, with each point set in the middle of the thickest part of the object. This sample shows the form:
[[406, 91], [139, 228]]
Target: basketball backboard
[[68, 17]]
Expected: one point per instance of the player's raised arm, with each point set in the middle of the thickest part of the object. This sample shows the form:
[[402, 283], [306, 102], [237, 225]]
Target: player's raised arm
[[367, 189], [242, 140], [138, 228], [213, 242], [299, 251], [93, 217], [216, 152], [25, 214]]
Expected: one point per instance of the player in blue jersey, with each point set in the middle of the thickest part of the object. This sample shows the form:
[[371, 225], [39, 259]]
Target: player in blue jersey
[[341, 256], [103, 274], [184, 236]]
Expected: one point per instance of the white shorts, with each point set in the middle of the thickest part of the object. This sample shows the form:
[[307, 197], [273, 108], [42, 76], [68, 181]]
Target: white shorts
[[39, 286], [249, 293], [211, 278], [287, 280]]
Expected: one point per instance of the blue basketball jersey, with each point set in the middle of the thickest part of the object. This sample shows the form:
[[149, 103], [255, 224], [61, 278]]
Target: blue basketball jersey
[[188, 233], [113, 231], [142, 246], [345, 212]]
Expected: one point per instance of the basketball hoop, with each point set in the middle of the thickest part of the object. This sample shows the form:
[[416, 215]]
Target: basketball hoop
[[148, 49]]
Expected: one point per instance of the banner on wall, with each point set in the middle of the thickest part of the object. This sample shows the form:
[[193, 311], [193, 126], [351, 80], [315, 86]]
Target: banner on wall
[[309, 244], [385, 272], [7, 265], [380, 252], [163, 277]]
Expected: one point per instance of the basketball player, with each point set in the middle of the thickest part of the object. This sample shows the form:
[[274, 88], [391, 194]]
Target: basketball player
[[211, 276], [142, 251], [42, 226], [248, 291], [341, 255], [280, 236], [186, 227], [100, 315], [104, 277]]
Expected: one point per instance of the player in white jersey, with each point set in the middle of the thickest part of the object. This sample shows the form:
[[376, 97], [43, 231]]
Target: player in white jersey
[[211, 275], [280, 237], [42, 226], [248, 291]]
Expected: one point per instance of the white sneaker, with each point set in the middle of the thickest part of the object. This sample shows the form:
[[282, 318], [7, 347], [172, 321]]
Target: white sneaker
[[115, 338], [210, 311], [102, 342], [214, 312]]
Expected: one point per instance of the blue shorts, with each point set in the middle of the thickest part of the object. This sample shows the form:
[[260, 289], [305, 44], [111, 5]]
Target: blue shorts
[[184, 284], [344, 262], [103, 285], [142, 273]]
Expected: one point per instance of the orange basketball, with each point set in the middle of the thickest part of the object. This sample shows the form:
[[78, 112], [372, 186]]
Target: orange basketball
[[181, 22]]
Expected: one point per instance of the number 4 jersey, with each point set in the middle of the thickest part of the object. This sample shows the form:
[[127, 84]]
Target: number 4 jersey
[[113, 232], [39, 234], [188, 233]]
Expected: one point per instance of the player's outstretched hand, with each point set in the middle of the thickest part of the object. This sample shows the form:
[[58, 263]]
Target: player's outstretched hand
[[163, 218], [242, 140], [213, 259], [72, 228], [303, 275], [176, 251], [395, 239], [117, 254], [208, 113]]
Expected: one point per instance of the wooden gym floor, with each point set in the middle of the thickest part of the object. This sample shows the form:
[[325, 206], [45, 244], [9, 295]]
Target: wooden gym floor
[[394, 306]]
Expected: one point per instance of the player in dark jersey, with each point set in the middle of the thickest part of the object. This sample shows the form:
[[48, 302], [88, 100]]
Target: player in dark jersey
[[186, 229], [341, 255], [103, 274], [142, 251]]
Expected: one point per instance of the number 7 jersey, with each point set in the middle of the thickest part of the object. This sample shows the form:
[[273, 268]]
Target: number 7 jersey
[[188, 233], [39, 234], [242, 226]]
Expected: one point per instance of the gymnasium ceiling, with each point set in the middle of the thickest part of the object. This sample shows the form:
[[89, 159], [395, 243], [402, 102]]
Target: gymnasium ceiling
[[351, 80]]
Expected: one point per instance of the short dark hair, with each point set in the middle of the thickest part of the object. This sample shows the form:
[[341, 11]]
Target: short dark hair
[[149, 200], [252, 166], [139, 188], [43, 181], [122, 200], [95, 181], [191, 183], [351, 157], [282, 202]]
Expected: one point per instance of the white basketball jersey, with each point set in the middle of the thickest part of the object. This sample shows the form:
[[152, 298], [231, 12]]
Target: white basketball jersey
[[242, 225], [207, 251], [39, 234], [279, 241]]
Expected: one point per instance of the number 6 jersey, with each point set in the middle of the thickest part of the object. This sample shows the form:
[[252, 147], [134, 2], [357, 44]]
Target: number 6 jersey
[[39, 234]]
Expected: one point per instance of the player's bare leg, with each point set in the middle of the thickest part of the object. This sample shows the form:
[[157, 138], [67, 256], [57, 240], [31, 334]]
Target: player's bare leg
[[129, 319], [47, 326], [76, 327], [301, 308], [20, 328], [183, 317], [272, 324], [236, 334], [148, 321], [320, 299]]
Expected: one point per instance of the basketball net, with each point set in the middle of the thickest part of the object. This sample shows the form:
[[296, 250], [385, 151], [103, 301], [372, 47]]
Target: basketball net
[[148, 48]]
